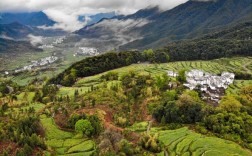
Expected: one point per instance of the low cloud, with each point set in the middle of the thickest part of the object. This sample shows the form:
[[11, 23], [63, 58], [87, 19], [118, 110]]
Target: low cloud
[[66, 12], [6, 37], [35, 40]]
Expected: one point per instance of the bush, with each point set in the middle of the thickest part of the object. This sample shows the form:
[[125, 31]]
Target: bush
[[84, 127]]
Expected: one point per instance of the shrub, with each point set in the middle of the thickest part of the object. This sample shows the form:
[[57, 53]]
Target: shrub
[[84, 127]]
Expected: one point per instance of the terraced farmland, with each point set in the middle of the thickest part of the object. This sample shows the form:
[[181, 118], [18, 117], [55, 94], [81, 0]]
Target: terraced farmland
[[237, 85], [185, 142], [218, 66], [65, 143]]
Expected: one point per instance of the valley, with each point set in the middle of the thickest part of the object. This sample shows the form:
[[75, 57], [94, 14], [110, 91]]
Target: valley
[[126, 78]]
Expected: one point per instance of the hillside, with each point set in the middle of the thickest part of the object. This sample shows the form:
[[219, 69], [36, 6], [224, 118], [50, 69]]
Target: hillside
[[133, 109], [233, 41], [15, 47], [15, 30], [31, 19], [186, 21]]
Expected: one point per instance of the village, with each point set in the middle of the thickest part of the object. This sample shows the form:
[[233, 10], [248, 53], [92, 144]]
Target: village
[[211, 86], [58, 40], [42, 62], [87, 51]]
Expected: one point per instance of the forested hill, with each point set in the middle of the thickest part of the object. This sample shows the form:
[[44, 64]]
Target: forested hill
[[231, 42]]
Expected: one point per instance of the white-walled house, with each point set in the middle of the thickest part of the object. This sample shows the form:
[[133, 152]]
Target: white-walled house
[[172, 73], [212, 85]]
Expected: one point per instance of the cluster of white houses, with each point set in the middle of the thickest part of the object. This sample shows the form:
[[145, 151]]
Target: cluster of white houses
[[212, 86], [51, 45], [87, 51], [41, 62]]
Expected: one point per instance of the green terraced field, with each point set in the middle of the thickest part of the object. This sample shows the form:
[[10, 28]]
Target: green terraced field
[[218, 66], [185, 142], [28, 96], [237, 85], [66, 143], [64, 91]]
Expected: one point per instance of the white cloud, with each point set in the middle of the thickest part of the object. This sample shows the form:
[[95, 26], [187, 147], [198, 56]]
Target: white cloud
[[66, 12], [35, 40]]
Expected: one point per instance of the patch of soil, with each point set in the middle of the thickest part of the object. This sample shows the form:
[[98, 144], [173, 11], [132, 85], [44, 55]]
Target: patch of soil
[[108, 116], [61, 121], [11, 146]]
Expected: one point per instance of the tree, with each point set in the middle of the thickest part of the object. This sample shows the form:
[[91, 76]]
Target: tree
[[181, 76], [149, 54], [84, 127], [230, 104]]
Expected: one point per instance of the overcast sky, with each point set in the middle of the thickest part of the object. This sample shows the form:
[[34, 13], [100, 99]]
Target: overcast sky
[[66, 12]]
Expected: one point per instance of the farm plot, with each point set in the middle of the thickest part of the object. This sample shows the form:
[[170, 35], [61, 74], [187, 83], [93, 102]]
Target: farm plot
[[185, 142], [64, 91], [237, 85], [65, 143]]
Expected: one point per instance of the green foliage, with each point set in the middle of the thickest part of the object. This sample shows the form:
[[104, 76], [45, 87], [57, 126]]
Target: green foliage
[[187, 109], [74, 118], [181, 76], [230, 104], [230, 124], [84, 126], [95, 65], [151, 142], [110, 76]]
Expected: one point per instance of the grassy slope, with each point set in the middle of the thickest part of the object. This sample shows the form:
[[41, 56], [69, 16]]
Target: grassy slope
[[185, 142], [65, 142], [214, 66]]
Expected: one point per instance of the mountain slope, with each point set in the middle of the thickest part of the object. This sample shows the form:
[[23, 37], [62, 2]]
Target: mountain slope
[[108, 34], [186, 21], [11, 46], [96, 18], [15, 30], [193, 19], [235, 41], [31, 19]]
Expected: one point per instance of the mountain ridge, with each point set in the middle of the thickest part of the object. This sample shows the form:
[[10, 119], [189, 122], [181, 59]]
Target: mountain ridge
[[186, 21]]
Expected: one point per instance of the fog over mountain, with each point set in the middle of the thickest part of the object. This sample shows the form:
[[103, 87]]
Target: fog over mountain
[[66, 13]]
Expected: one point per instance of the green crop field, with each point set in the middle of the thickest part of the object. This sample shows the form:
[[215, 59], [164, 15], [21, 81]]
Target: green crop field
[[185, 142], [217, 66], [26, 96], [237, 85], [64, 91], [65, 143]]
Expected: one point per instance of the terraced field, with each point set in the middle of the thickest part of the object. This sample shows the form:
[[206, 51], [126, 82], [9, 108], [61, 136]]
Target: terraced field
[[64, 91], [185, 142], [218, 66], [65, 143], [237, 85]]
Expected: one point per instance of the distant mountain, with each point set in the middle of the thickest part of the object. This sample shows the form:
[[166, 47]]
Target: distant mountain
[[16, 30], [31, 19], [109, 33], [96, 18], [193, 19], [151, 28]]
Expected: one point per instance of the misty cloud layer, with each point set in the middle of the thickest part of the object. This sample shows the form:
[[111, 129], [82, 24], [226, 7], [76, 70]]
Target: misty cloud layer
[[66, 12]]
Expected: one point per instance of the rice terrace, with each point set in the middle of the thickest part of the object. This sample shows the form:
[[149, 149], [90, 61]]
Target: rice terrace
[[126, 78]]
